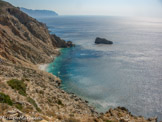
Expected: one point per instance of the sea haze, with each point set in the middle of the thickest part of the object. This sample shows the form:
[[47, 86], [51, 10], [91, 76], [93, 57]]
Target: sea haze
[[127, 73]]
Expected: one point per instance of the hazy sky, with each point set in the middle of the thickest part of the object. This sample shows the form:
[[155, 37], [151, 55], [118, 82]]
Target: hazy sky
[[96, 7]]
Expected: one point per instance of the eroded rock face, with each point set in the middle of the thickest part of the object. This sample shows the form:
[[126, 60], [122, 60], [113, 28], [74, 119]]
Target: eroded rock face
[[24, 39], [102, 41], [58, 42]]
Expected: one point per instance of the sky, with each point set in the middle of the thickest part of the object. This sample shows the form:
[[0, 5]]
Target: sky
[[144, 8]]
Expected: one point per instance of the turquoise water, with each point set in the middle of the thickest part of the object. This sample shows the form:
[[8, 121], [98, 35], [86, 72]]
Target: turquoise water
[[127, 73]]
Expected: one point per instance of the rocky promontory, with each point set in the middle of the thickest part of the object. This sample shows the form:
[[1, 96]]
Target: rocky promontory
[[29, 94], [39, 13]]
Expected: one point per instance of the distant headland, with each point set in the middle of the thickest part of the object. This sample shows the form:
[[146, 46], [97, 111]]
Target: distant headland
[[39, 13]]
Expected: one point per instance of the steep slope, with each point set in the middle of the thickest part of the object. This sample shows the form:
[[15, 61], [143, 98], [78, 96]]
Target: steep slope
[[24, 43], [22, 38], [26, 91]]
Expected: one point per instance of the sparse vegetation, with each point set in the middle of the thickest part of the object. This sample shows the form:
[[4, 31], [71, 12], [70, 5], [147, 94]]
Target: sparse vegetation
[[49, 100], [108, 121], [41, 92], [18, 85], [71, 119], [19, 106], [60, 102], [31, 101], [5, 99], [25, 79]]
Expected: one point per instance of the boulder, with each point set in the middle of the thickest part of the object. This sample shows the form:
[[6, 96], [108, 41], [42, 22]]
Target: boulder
[[102, 41]]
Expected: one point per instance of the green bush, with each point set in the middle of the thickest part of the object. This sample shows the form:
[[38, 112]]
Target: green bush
[[18, 85], [31, 101], [5, 99], [60, 102], [41, 92], [19, 106]]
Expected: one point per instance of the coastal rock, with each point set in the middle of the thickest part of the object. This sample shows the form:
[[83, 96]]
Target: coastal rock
[[58, 42], [102, 41], [70, 44], [121, 114]]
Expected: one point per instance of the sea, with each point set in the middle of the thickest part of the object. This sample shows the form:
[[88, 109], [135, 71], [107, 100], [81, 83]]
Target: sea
[[127, 73]]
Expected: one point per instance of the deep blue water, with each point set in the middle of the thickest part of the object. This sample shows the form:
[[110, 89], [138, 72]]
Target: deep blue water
[[127, 73]]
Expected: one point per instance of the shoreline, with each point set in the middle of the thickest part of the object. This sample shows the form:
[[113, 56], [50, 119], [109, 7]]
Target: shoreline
[[44, 67]]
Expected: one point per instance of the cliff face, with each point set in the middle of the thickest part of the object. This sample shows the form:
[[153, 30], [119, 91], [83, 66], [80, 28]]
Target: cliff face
[[29, 92], [23, 39], [24, 43]]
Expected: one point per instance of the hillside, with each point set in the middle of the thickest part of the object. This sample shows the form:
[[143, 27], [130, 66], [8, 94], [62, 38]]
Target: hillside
[[39, 13], [28, 92]]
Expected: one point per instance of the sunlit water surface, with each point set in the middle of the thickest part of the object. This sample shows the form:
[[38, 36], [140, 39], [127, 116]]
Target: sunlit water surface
[[127, 73]]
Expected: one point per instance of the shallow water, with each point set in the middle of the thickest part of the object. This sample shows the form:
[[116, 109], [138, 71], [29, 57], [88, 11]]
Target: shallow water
[[127, 73]]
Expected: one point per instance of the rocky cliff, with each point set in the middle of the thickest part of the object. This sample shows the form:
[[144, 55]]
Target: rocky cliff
[[23, 39], [28, 93]]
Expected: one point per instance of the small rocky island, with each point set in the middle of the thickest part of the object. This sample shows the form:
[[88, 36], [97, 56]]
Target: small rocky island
[[102, 41]]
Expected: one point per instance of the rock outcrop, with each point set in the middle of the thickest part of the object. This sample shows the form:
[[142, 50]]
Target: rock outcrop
[[70, 44], [102, 41], [121, 114], [27, 93]]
